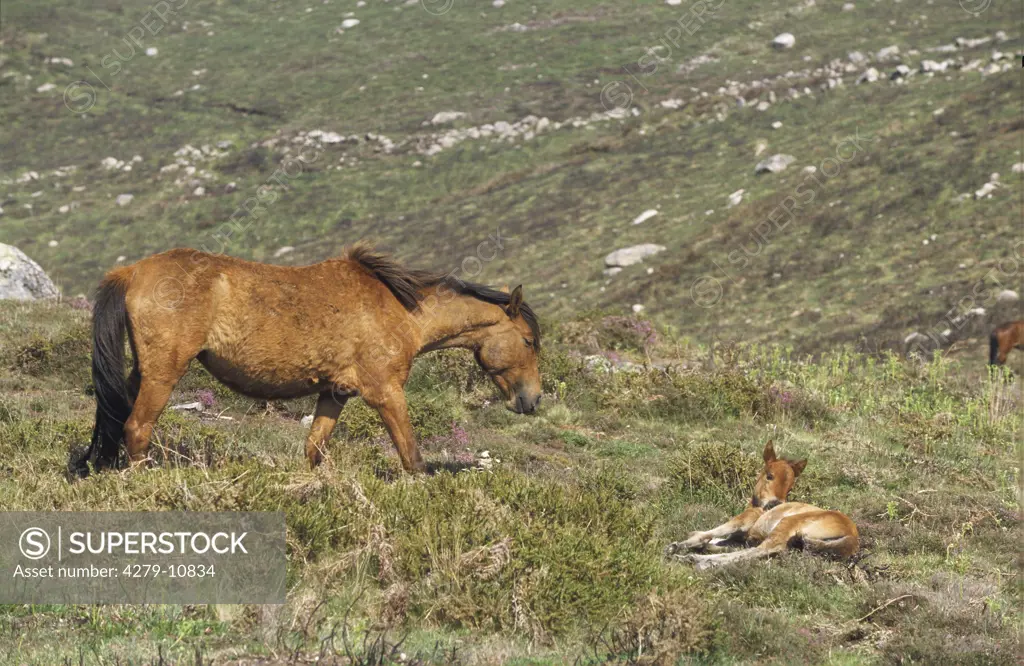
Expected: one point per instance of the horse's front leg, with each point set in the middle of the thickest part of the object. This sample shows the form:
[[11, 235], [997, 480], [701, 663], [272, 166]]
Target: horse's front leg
[[730, 530], [391, 406]]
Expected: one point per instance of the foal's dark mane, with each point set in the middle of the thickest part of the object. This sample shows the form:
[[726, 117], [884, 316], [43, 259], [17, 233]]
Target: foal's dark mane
[[407, 284]]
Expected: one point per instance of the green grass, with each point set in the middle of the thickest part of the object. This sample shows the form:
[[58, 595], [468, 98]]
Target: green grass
[[556, 553]]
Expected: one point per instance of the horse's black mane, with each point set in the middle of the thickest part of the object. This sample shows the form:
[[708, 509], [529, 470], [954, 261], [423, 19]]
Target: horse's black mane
[[407, 284]]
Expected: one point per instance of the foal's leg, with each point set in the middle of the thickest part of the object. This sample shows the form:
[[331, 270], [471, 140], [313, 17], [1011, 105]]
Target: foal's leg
[[393, 411], [776, 542], [731, 529], [328, 408]]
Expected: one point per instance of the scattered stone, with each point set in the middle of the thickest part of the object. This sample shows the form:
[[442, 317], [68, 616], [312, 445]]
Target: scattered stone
[[124, 199], [1018, 167], [759, 147], [849, 7], [637, 308], [628, 256], [1007, 296], [151, 51], [735, 198], [46, 87], [445, 117], [986, 190], [870, 75], [199, 191], [785, 40], [349, 23], [644, 216], [901, 72], [498, 4], [856, 57], [614, 270], [307, 420], [935, 67], [53, 243], [22, 279], [281, 251], [966, 43], [777, 124], [774, 164], [888, 52]]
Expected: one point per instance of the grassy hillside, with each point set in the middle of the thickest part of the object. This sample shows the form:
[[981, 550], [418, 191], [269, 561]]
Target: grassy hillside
[[244, 83], [551, 553]]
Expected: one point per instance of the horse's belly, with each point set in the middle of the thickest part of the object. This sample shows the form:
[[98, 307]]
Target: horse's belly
[[258, 382]]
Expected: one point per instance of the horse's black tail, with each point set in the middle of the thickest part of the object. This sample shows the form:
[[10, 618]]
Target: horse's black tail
[[113, 397], [993, 349]]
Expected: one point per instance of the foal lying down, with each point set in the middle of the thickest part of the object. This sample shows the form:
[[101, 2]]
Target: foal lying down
[[771, 524]]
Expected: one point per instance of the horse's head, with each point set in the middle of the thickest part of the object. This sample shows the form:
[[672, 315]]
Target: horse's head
[[776, 479], [509, 355]]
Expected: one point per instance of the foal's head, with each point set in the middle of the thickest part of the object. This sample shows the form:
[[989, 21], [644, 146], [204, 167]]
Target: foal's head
[[509, 355], [776, 479]]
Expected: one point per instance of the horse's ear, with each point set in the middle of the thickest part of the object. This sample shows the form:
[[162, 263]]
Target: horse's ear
[[798, 466], [769, 452], [515, 301]]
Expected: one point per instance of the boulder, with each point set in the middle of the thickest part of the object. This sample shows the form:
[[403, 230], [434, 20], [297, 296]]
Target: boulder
[[628, 256], [22, 279]]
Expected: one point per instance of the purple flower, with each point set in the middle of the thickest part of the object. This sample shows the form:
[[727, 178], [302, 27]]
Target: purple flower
[[459, 435], [206, 398]]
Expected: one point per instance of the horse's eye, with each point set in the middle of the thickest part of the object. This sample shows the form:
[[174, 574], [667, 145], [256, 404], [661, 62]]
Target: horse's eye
[[770, 477], [529, 343]]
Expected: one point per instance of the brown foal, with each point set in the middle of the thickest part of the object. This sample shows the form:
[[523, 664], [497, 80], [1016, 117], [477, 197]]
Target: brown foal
[[1005, 338], [771, 523]]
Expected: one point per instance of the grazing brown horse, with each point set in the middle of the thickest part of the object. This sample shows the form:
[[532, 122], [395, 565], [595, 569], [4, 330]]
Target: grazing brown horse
[[1003, 339], [772, 524], [345, 327]]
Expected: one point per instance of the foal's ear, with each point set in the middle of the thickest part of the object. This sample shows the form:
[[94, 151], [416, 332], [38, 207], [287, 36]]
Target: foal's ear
[[515, 301], [798, 466], [769, 452]]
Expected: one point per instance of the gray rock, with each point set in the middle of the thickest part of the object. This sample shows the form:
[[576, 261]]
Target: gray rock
[[785, 40], [22, 279], [628, 256], [774, 164], [901, 72], [124, 199], [1007, 296], [856, 57], [870, 75], [888, 52]]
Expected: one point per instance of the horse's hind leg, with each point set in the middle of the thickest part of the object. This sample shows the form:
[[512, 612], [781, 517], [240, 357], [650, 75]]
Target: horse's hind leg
[[152, 398], [328, 408]]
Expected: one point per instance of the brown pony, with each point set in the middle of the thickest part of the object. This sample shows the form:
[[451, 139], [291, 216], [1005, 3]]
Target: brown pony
[[345, 327], [1003, 339], [772, 524]]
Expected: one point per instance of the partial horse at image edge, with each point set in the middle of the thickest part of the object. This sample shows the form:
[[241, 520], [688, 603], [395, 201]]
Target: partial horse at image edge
[[344, 327], [1004, 339]]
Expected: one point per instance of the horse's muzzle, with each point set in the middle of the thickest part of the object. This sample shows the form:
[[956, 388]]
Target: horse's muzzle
[[524, 405]]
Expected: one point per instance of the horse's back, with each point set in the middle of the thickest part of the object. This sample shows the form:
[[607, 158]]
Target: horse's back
[[264, 330]]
